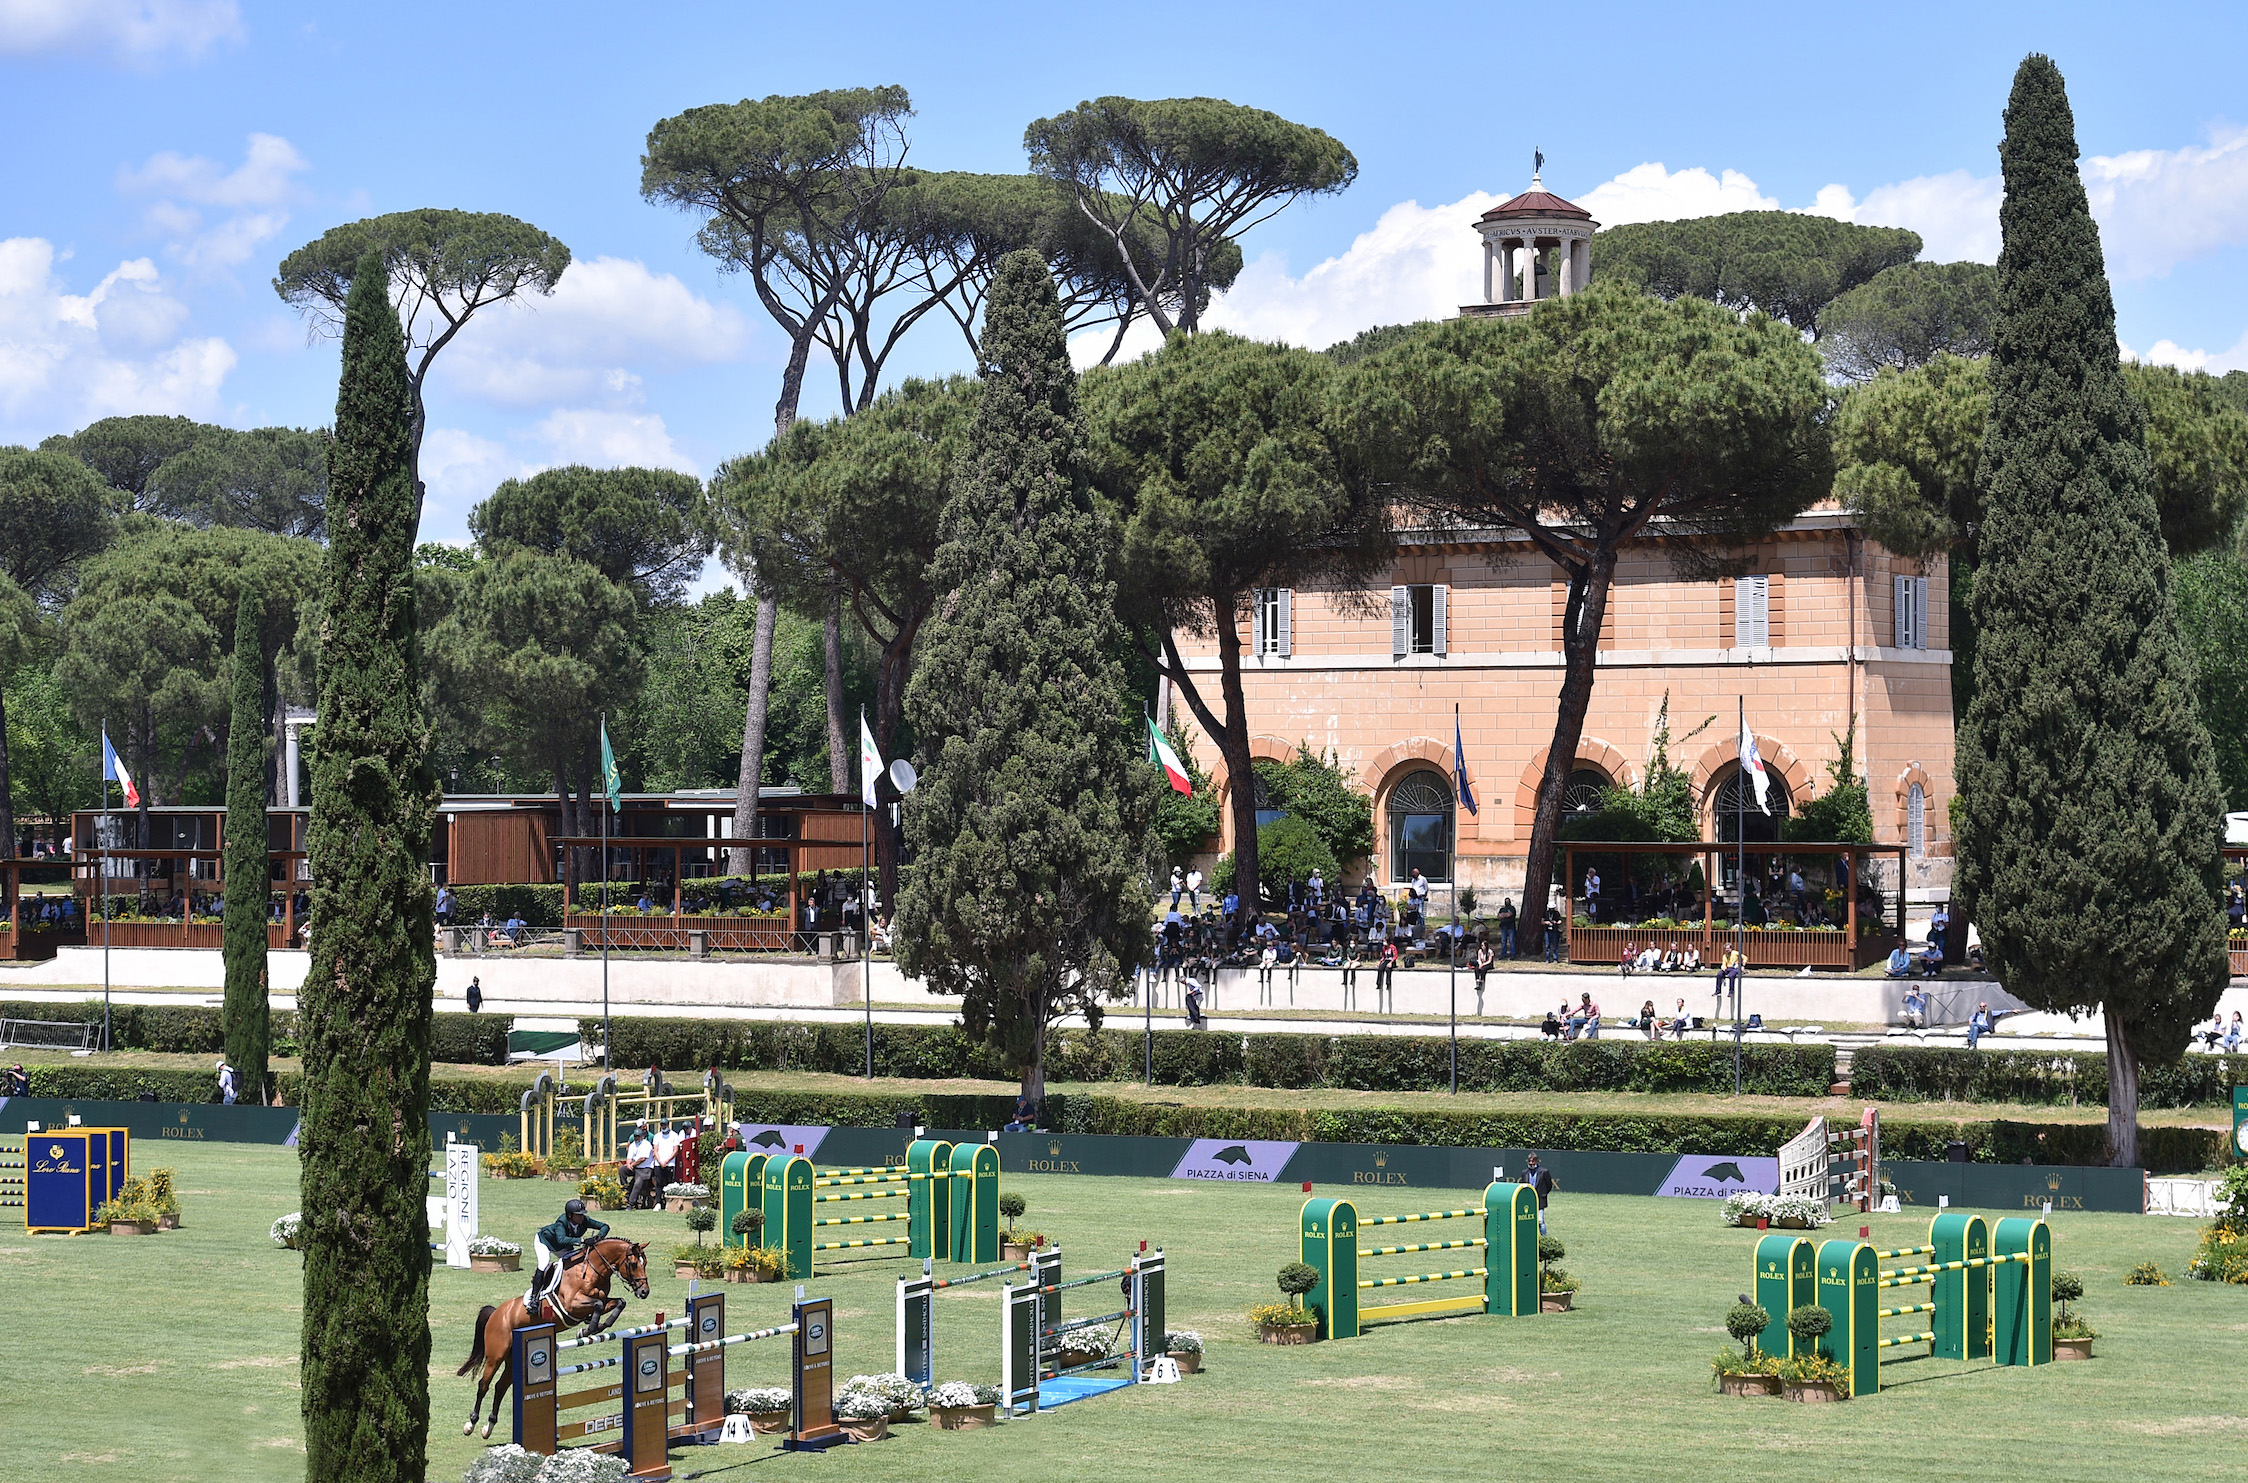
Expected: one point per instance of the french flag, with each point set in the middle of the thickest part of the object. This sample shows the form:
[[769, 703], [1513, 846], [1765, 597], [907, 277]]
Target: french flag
[[113, 771]]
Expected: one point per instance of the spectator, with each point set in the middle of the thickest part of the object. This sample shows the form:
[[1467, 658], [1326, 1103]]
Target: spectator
[[1385, 975], [1680, 1020], [1194, 1020], [515, 929], [1507, 917], [17, 1083], [1540, 1180], [1900, 962], [1551, 1028], [1915, 1006], [668, 1141], [1484, 958], [2233, 1032], [444, 906], [1980, 1024], [1193, 891], [1178, 886], [1932, 962], [882, 938], [2236, 906], [1025, 1119], [1730, 971], [1592, 894], [1691, 963], [1630, 959], [639, 1167], [1939, 929], [1648, 1023], [1591, 1012], [1649, 959], [475, 995], [228, 1089], [1553, 930], [2210, 1036]]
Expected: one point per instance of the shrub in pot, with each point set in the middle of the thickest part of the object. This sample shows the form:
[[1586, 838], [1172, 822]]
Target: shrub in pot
[[1812, 1375], [1746, 1371], [1185, 1346], [957, 1405], [2072, 1336], [1557, 1290]]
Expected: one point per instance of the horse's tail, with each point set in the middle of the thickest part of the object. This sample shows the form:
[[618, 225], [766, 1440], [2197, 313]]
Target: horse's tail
[[476, 1353]]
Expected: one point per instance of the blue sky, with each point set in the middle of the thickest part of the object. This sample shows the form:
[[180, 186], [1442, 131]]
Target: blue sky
[[164, 154]]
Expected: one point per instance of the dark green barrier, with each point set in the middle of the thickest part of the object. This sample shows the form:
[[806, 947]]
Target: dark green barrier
[[2017, 1189]]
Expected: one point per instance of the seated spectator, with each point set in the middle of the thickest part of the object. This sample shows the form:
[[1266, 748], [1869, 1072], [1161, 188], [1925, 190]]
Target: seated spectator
[[1025, 1119], [1649, 959], [882, 933], [515, 929], [1932, 962], [1915, 1007], [1980, 1024], [1631, 960], [1679, 1020], [1648, 1022], [1693, 961], [1551, 1029], [2214, 1033], [2233, 1032], [1900, 962]]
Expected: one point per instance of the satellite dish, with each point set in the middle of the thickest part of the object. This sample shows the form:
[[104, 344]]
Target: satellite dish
[[902, 776]]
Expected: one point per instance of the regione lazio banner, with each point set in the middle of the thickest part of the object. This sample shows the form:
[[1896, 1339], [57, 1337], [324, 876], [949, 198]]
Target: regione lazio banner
[[1226, 1158], [1705, 1176]]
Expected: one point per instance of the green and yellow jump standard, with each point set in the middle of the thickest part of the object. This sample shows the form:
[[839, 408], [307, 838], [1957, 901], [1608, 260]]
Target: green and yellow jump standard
[[1508, 1269]]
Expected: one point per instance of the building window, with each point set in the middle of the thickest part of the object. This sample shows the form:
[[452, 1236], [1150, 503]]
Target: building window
[[1584, 790], [1274, 611], [1420, 827], [1912, 612], [1916, 820], [1416, 620], [1752, 612], [1736, 814]]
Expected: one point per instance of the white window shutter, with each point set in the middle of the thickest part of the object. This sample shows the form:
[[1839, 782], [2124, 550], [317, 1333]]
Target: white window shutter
[[1752, 613], [1903, 606], [1436, 618], [1284, 644], [1920, 612], [1400, 622], [1256, 621]]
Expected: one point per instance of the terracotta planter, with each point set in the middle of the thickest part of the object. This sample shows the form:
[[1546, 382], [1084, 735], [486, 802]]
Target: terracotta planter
[[748, 1274], [1072, 1358], [2071, 1349], [1555, 1302], [565, 1176], [1287, 1333], [1749, 1384], [678, 1204], [129, 1228], [964, 1418], [1189, 1364], [495, 1263], [865, 1431], [167, 1222], [769, 1423], [1815, 1392], [1011, 1251]]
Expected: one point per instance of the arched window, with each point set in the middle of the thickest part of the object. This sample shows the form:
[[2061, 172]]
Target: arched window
[[1916, 820], [1736, 793], [1420, 827], [1581, 795]]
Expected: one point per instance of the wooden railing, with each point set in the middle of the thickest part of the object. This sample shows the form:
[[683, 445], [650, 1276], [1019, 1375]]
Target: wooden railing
[[673, 934], [1814, 947]]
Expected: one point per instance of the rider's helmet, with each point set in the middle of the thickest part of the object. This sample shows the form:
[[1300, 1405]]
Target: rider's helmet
[[574, 1211]]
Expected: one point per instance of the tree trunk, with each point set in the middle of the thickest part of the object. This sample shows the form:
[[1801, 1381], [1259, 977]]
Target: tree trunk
[[1034, 1074], [741, 859], [8, 886], [1580, 645], [838, 743], [1240, 768], [2123, 1094], [889, 712]]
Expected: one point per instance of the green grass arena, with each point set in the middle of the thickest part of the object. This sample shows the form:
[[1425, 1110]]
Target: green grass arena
[[175, 1356]]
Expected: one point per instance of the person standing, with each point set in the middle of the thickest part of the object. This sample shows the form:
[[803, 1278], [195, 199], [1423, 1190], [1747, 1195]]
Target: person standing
[[1178, 886], [639, 1167], [1540, 1180], [228, 1089], [1592, 894], [1553, 925], [1507, 917], [668, 1140], [1484, 958], [1193, 893], [475, 994], [1939, 929]]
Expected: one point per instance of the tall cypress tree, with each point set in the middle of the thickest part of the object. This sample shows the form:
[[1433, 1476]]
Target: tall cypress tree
[[245, 1013], [363, 1013], [1031, 827], [2089, 847]]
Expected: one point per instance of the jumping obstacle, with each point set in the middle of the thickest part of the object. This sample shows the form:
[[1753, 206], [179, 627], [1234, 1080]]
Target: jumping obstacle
[[917, 1312], [1990, 1294], [1034, 1335], [648, 1416], [58, 1178], [1509, 1269], [607, 1108], [951, 1194], [1840, 1166]]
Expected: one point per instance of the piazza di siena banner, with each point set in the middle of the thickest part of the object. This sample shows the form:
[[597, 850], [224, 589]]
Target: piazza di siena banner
[[1366, 1168]]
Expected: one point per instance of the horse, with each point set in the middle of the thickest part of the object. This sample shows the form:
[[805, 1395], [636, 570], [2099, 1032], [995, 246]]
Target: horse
[[581, 1297]]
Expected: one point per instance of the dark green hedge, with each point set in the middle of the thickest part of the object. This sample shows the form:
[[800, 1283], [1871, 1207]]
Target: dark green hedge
[[1370, 1063], [2036, 1078], [455, 1039], [125, 1084]]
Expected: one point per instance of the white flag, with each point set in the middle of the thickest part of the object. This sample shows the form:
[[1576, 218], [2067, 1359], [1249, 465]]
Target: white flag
[[870, 763], [1752, 765]]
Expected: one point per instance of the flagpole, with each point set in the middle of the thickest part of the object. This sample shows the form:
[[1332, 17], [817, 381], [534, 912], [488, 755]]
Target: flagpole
[[1452, 959], [866, 907], [101, 884], [606, 1038]]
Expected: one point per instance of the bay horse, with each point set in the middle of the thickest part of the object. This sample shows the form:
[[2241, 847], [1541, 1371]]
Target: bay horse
[[581, 1297]]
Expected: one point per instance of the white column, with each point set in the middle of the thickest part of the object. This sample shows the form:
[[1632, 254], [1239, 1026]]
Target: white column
[[1487, 254], [1530, 269], [1580, 264]]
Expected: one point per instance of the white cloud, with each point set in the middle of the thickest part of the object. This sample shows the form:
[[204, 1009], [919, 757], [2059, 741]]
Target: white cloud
[[610, 439], [137, 31], [252, 199], [461, 468], [1649, 192], [1956, 214], [607, 320], [2158, 208], [2215, 362], [66, 359]]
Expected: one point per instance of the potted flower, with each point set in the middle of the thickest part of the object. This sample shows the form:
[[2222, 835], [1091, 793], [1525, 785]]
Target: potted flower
[[1557, 1290], [876, 1398], [1811, 1375], [1011, 1208], [601, 1191], [491, 1254], [769, 1408], [568, 1159], [1748, 1372], [1083, 1347], [863, 1414], [701, 1218], [288, 1231], [164, 1195], [1289, 1322], [698, 1261], [678, 1197], [125, 1218], [755, 1264], [2072, 1336], [958, 1406], [1185, 1346]]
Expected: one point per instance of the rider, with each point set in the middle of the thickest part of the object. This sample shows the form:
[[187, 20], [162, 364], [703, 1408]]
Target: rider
[[572, 1231]]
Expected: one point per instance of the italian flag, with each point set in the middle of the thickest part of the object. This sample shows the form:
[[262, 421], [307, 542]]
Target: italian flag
[[1159, 750]]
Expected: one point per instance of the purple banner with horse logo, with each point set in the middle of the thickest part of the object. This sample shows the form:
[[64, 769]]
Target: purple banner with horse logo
[[1714, 1176], [781, 1138], [1227, 1158]]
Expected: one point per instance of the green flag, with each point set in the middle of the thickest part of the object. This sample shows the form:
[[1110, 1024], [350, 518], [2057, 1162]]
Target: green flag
[[612, 782]]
